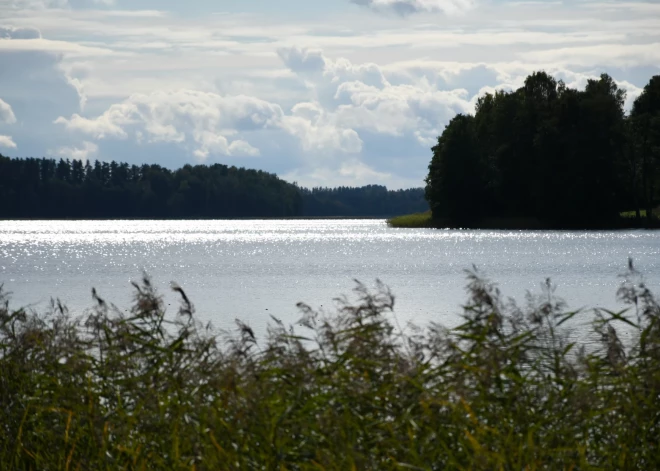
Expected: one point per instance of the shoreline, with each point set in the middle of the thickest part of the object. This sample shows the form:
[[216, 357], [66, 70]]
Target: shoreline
[[426, 221], [294, 218]]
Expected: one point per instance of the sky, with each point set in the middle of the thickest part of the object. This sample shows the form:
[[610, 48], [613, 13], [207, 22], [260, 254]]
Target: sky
[[324, 93]]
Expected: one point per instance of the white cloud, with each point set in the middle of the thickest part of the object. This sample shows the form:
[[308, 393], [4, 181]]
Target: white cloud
[[208, 119], [314, 66], [360, 97], [303, 61], [109, 124], [79, 86], [322, 136], [6, 141], [212, 143], [6, 113], [408, 7], [84, 153]]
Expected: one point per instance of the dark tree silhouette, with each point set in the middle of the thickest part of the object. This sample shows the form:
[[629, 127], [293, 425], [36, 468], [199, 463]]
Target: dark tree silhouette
[[547, 152], [49, 189]]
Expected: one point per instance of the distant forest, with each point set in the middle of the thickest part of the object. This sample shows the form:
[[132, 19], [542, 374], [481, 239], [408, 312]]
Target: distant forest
[[56, 189], [548, 152]]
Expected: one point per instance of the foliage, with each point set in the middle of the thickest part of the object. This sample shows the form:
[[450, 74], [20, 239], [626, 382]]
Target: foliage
[[546, 151], [369, 200], [412, 220], [507, 389], [50, 189]]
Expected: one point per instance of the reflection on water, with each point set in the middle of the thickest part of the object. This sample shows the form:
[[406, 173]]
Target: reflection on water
[[249, 269]]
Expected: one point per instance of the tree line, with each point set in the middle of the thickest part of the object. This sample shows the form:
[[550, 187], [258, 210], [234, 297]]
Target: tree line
[[551, 153], [369, 200], [55, 189]]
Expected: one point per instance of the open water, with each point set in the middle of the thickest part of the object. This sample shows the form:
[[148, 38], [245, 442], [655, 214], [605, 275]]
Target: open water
[[249, 269]]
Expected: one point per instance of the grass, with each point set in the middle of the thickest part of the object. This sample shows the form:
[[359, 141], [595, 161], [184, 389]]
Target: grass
[[425, 220], [412, 220], [345, 389], [642, 213]]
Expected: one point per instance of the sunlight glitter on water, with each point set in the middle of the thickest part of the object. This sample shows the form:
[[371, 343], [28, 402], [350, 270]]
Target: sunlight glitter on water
[[241, 268]]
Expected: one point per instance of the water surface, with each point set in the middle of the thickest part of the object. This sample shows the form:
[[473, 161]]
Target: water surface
[[250, 269]]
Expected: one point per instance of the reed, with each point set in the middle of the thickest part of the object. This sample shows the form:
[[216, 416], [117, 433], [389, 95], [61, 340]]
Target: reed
[[412, 220], [510, 388]]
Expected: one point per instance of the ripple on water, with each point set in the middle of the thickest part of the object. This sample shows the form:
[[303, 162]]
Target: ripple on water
[[241, 268]]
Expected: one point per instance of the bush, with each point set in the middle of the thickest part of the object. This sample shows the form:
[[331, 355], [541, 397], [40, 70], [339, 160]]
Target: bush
[[507, 389]]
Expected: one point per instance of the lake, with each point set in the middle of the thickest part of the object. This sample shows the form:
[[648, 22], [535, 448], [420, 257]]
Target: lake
[[249, 269]]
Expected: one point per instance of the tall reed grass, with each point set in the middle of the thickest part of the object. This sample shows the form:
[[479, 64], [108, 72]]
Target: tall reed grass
[[509, 388]]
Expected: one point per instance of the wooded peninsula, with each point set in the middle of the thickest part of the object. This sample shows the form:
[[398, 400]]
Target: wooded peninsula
[[73, 189], [548, 155]]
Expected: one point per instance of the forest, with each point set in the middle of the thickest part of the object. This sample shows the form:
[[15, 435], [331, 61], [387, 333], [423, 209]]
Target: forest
[[550, 153], [73, 189]]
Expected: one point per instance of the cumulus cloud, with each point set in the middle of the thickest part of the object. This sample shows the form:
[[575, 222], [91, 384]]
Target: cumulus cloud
[[303, 61], [6, 113], [322, 135], [408, 7], [360, 97], [83, 152], [315, 66], [109, 124], [212, 143], [402, 109], [210, 122], [6, 141]]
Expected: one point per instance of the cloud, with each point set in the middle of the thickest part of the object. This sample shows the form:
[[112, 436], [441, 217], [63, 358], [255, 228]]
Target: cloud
[[208, 121], [303, 61], [320, 131], [212, 143], [6, 113], [350, 172], [87, 150], [313, 65], [360, 97], [409, 7], [109, 124], [9, 32], [6, 141], [37, 84], [621, 55], [367, 96], [36, 4]]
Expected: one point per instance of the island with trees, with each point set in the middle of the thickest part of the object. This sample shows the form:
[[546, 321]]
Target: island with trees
[[549, 156]]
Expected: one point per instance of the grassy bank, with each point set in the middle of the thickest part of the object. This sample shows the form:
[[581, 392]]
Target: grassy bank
[[627, 220], [347, 389], [412, 220]]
